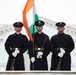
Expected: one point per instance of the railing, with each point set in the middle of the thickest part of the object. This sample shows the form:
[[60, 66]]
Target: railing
[[37, 73]]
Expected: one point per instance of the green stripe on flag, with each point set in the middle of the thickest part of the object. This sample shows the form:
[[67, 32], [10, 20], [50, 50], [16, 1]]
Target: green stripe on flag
[[31, 29], [36, 17]]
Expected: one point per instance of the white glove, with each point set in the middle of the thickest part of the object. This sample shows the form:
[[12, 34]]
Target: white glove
[[60, 54], [62, 50], [40, 53], [32, 59], [14, 54], [17, 51]]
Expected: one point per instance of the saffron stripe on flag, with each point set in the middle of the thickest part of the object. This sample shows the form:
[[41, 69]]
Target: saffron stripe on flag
[[29, 17]]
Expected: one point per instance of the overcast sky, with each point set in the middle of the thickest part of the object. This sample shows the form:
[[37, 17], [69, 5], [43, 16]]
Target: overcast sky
[[56, 10]]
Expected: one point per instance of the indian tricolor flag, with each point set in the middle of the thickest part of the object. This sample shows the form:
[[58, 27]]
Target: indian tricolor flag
[[29, 17]]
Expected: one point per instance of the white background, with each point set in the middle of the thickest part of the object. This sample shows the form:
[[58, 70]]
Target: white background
[[56, 10]]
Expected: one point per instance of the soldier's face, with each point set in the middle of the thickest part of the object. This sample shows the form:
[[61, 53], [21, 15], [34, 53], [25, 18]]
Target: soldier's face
[[60, 29], [18, 29], [39, 28]]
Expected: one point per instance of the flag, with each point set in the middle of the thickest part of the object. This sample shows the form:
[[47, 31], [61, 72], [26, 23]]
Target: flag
[[29, 17]]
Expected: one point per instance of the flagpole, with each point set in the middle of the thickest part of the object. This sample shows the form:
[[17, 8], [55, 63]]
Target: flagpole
[[33, 31]]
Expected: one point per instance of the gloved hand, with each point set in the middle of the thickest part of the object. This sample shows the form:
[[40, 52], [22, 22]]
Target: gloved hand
[[60, 55], [62, 50], [32, 59], [17, 51], [14, 54], [40, 53]]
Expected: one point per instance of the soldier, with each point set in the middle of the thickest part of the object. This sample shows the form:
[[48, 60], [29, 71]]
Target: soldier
[[61, 45], [38, 53], [15, 45]]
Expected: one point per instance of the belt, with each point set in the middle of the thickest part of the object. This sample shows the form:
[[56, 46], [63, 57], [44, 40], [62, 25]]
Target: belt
[[15, 48], [38, 48], [60, 48]]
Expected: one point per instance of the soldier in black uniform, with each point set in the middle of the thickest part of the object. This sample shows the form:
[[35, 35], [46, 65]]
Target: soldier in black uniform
[[39, 49], [15, 45], [61, 45]]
